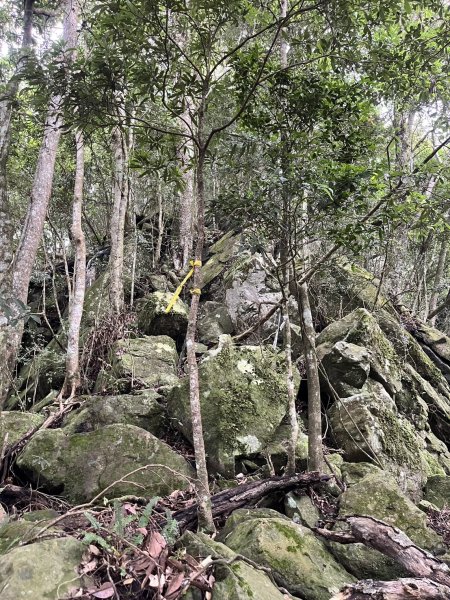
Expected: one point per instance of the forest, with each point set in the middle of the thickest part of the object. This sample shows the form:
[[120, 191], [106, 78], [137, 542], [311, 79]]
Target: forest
[[224, 299]]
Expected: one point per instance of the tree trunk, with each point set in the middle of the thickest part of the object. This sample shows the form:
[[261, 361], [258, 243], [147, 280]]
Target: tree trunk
[[187, 202], [40, 196], [6, 110], [438, 278], [72, 379], [204, 497], [117, 225]]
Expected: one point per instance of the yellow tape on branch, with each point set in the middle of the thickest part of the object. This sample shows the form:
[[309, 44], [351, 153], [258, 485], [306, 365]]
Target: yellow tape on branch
[[193, 264]]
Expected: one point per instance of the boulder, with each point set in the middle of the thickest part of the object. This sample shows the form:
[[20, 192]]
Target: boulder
[[214, 321], [46, 569], [237, 581], [142, 409], [149, 361], [301, 510], [347, 368], [81, 465], [376, 493], [153, 319], [361, 328], [243, 397], [298, 559], [14, 425], [13, 533], [221, 253], [437, 491]]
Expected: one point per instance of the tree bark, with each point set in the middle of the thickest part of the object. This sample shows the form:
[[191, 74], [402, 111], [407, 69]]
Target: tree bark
[[40, 196], [187, 201], [6, 111], [72, 378], [403, 589], [204, 497], [438, 278], [247, 494], [118, 216]]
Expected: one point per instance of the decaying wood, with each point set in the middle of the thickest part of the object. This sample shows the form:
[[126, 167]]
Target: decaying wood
[[403, 589], [393, 543], [246, 495]]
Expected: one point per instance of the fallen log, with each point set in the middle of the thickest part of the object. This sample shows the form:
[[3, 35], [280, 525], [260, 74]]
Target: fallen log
[[393, 543], [403, 589], [247, 494]]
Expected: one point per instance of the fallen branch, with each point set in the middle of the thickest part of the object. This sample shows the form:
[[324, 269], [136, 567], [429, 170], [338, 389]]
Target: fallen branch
[[247, 494], [393, 543], [257, 325], [403, 589]]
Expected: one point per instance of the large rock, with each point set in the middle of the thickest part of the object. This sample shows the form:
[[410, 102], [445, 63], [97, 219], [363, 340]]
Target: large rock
[[437, 491], [149, 361], [153, 319], [214, 321], [81, 465], [347, 368], [373, 492], [361, 328], [237, 581], [46, 569], [142, 409], [367, 426], [243, 397], [299, 560], [14, 424]]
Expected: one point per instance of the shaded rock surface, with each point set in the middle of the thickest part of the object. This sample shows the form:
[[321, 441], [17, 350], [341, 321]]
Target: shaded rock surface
[[46, 569], [14, 424], [299, 560], [81, 465], [243, 397], [153, 319]]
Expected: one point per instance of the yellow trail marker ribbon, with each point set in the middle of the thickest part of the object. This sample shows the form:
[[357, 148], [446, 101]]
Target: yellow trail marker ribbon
[[193, 264]]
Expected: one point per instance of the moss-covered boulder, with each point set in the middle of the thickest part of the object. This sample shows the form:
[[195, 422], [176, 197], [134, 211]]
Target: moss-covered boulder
[[361, 328], [301, 510], [236, 581], [221, 253], [347, 367], [14, 425], [142, 409], [214, 321], [437, 491], [377, 494], [13, 533], [46, 569], [149, 361], [243, 397], [299, 560], [81, 465], [153, 319]]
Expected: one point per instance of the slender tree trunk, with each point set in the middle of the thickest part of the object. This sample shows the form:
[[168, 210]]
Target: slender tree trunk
[[439, 276], [6, 110], [204, 497], [187, 201], [315, 448], [72, 379], [285, 271], [117, 225], [37, 211], [159, 239]]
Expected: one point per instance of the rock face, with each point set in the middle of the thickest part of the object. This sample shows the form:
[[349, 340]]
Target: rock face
[[82, 465], [46, 569], [299, 561], [374, 492], [380, 406], [237, 581], [243, 400], [149, 361], [153, 319], [437, 491], [213, 322], [141, 409], [14, 424]]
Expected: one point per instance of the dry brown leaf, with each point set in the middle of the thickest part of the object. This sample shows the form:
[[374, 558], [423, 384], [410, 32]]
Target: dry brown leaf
[[94, 550], [155, 545], [89, 566], [175, 585], [128, 581], [104, 591]]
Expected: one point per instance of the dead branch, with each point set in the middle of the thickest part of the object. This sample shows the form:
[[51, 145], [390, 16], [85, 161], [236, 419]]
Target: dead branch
[[393, 543], [245, 495], [403, 589]]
